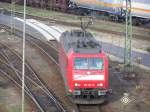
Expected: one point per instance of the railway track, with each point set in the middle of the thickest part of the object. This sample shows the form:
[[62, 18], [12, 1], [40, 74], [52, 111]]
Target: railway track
[[50, 48], [49, 51], [47, 48], [77, 24], [7, 72], [89, 108], [41, 95]]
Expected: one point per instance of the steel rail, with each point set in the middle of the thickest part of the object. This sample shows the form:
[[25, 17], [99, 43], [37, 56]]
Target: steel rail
[[49, 93], [31, 38], [43, 49], [19, 72], [27, 77], [28, 92], [89, 108], [50, 58]]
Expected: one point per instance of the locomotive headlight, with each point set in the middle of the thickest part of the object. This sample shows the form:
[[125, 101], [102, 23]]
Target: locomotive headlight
[[88, 73], [85, 84], [76, 84], [89, 85], [100, 84]]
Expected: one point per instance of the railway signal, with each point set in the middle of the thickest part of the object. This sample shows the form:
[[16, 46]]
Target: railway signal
[[128, 37]]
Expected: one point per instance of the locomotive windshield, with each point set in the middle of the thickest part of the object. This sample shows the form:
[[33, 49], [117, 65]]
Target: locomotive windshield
[[88, 63]]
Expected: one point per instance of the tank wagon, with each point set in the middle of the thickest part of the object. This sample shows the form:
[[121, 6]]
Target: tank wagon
[[140, 8], [114, 8], [84, 67], [110, 6]]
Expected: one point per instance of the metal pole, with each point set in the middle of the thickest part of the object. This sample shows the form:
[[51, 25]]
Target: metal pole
[[23, 59], [11, 17], [13, 2], [128, 37]]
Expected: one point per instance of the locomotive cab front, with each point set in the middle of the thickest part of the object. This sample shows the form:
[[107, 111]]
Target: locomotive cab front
[[89, 79], [88, 72]]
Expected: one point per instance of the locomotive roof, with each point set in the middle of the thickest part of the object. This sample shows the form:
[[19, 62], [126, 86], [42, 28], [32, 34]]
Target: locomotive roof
[[80, 41]]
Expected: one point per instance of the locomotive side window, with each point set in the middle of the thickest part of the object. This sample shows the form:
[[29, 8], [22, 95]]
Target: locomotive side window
[[88, 63]]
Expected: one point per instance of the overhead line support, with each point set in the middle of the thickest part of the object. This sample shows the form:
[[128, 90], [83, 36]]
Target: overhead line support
[[128, 37]]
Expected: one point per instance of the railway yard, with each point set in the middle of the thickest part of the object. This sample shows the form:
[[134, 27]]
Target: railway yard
[[45, 90]]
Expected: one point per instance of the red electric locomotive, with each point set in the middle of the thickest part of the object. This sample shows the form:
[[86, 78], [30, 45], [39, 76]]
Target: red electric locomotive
[[84, 67]]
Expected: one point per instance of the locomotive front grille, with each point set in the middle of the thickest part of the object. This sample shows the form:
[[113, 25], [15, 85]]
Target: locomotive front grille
[[87, 92]]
